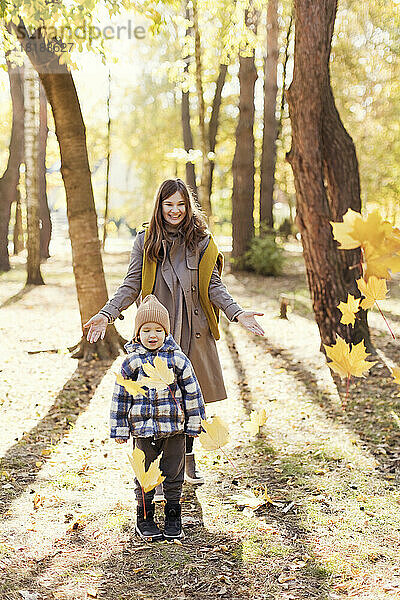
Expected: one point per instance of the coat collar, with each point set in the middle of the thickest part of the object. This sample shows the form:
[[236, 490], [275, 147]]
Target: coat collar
[[169, 345]]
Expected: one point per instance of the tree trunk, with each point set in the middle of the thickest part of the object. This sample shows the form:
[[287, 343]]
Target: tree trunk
[[70, 130], [9, 180], [44, 212], [31, 147], [243, 161], [214, 122], [325, 171], [270, 129], [18, 233], [204, 197], [185, 117], [108, 159]]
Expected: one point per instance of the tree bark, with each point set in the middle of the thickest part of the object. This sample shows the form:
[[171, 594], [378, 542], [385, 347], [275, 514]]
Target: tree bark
[[108, 160], [185, 118], [204, 197], [270, 129], [70, 130], [44, 212], [243, 160], [214, 122], [9, 180], [18, 233], [325, 170], [31, 148]]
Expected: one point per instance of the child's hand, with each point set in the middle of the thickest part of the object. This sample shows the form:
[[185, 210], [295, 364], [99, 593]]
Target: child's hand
[[120, 441]]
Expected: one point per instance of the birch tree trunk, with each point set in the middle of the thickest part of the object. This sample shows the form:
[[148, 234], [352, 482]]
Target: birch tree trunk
[[270, 129], [44, 212], [31, 148], [9, 180]]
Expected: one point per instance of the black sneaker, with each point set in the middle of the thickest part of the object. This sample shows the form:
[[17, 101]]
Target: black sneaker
[[173, 523], [146, 528]]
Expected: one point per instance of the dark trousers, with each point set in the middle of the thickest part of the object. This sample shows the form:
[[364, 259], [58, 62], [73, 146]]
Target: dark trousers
[[189, 444], [172, 465]]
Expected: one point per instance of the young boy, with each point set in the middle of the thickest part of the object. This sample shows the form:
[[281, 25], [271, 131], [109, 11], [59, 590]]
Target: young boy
[[158, 421]]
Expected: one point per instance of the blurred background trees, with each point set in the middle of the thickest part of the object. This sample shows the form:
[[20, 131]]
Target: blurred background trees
[[202, 95]]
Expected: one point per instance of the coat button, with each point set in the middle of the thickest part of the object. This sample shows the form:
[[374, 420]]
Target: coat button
[[198, 334], [196, 311], [193, 288]]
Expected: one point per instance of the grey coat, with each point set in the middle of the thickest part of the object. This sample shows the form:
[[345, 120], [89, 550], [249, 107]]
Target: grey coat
[[176, 286]]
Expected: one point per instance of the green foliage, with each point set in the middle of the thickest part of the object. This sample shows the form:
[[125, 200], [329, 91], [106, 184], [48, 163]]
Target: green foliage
[[264, 257]]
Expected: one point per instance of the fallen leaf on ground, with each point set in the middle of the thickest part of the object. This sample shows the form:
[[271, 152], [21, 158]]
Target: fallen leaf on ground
[[284, 578], [257, 420], [216, 434], [92, 592]]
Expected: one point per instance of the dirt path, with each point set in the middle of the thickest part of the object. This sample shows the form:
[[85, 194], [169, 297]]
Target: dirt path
[[66, 490]]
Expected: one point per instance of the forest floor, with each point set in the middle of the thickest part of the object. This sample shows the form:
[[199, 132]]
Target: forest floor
[[66, 489]]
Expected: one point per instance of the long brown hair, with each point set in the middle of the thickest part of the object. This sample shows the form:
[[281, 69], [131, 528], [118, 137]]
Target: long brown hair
[[193, 226]]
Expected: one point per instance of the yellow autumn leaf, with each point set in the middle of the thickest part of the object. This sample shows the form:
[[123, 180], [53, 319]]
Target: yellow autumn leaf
[[342, 232], [257, 420], [349, 309], [374, 289], [160, 376], [348, 362], [132, 387], [148, 479], [216, 434], [396, 374], [378, 261]]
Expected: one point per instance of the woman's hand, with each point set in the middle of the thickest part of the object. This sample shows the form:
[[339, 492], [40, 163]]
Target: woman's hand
[[97, 328], [248, 321]]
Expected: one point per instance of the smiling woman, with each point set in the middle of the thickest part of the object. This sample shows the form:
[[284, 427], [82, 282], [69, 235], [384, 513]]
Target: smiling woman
[[176, 259]]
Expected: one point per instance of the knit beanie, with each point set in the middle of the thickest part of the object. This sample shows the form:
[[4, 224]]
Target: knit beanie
[[151, 311]]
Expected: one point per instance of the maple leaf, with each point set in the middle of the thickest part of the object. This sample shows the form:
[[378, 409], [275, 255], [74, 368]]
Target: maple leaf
[[216, 434], [396, 374], [257, 420], [348, 362], [148, 479], [132, 387], [160, 376], [249, 499], [342, 232], [349, 309], [374, 289]]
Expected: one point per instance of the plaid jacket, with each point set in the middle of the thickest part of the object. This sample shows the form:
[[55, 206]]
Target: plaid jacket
[[157, 413]]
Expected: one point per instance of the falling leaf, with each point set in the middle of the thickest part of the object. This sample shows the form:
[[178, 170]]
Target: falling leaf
[[257, 420], [374, 289], [343, 232], [348, 362], [396, 374], [216, 434], [160, 376], [349, 309], [148, 479], [132, 387]]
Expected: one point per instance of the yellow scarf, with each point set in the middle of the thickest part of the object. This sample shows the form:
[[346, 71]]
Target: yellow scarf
[[210, 257]]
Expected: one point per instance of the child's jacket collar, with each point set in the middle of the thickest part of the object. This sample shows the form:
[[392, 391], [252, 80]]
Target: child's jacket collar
[[169, 345]]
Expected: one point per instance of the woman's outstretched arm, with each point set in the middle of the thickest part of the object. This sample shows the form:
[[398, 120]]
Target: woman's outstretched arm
[[125, 295]]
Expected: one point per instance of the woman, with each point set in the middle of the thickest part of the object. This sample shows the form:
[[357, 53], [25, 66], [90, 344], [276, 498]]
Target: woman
[[176, 259]]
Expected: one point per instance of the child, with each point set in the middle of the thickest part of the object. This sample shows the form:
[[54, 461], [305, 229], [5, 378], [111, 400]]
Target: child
[[157, 421]]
